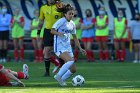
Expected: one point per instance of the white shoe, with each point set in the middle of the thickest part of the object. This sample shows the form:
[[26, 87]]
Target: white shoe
[[60, 81], [55, 70], [4, 60], [0, 60], [135, 61], [25, 70]]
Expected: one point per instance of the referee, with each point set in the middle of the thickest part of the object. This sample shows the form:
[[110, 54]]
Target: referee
[[48, 13]]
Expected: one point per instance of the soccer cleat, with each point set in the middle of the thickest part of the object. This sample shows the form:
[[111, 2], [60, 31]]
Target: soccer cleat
[[4, 60], [135, 61], [60, 81], [17, 84], [55, 70], [25, 70], [0, 60], [47, 74]]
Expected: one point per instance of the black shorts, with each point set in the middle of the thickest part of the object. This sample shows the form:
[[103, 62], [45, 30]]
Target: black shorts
[[135, 41], [4, 35], [48, 38]]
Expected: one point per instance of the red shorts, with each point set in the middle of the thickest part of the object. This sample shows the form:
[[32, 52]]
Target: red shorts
[[4, 80], [102, 38], [87, 39], [121, 40]]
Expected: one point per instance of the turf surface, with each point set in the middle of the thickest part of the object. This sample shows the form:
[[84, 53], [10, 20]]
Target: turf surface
[[101, 77]]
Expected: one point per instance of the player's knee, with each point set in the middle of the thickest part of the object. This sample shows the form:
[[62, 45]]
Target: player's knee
[[73, 68]]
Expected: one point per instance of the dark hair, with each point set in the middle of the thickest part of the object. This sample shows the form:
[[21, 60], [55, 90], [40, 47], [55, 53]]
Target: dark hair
[[66, 8]]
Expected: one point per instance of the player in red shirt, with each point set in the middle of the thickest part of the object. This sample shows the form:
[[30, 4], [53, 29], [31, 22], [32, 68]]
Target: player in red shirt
[[7, 74]]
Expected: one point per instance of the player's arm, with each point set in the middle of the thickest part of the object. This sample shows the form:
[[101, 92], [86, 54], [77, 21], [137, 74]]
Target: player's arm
[[11, 76], [114, 29], [78, 44], [12, 22], [33, 27], [21, 22], [56, 26], [106, 24], [41, 21], [53, 31], [125, 29]]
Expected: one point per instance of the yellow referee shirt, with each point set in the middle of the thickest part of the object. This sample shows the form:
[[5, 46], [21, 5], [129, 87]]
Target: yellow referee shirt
[[50, 14]]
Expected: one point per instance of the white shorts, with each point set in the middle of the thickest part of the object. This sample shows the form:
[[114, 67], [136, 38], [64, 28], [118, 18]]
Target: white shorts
[[62, 50]]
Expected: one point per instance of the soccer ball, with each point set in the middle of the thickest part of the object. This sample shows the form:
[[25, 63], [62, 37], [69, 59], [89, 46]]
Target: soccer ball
[[78, 80]]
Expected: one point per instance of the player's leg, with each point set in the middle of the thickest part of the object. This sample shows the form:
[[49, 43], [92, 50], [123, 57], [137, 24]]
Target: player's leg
[[5, 42], [105, 47], [123, 51], [136, 50], [40, 50], [117, 47], [15, 42], [69, 62], [21, 48], [36, 52], [89, 45], [1, 51]]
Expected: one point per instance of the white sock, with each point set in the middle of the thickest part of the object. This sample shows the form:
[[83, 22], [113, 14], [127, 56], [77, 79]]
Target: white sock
[[66, 75], [65, 68]]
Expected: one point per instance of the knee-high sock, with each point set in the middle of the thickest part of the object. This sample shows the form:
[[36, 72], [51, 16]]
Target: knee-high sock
[[16, 54], [92, 54], [21, 75], [40, 54], [76, 54], [66, 75], [65, 68], [1, 54], [5, 53], [47, 64], [21, 53], [101, 55], [88, 54], [118, 54], [36, 54], [54, 61]]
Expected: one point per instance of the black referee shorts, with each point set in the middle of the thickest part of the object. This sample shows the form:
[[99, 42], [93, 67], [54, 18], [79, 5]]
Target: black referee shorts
[[48, 38], [4, 35]]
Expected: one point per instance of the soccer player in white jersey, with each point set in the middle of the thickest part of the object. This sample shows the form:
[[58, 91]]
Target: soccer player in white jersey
[[62, 47]]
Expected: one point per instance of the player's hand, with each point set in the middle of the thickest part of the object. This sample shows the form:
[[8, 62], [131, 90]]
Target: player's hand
[[21, 84], [61, 34], [83, 51], [38, 38]]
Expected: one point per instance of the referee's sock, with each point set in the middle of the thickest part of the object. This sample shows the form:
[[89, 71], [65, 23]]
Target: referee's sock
[[1, 53], [47, 66], [5, 53]]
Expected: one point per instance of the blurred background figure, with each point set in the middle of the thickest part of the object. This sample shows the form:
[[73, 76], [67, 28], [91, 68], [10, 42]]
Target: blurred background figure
[[37, 42], [135, 36], [88, 33], [77, 22], [17, 25], [120, 36], [102, 33], [5, 20]]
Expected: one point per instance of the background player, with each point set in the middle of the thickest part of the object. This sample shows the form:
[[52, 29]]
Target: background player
[[120, 35], [37, 43], [5, 20], [17, 25], [6, 75]]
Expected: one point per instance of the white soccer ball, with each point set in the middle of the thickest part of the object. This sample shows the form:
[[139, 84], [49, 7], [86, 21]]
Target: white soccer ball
[[78, 80]]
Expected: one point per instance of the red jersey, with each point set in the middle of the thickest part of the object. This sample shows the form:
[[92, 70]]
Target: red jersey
[[4, 80]]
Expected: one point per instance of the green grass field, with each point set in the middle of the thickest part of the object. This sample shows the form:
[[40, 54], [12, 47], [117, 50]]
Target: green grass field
[[101, 77]]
